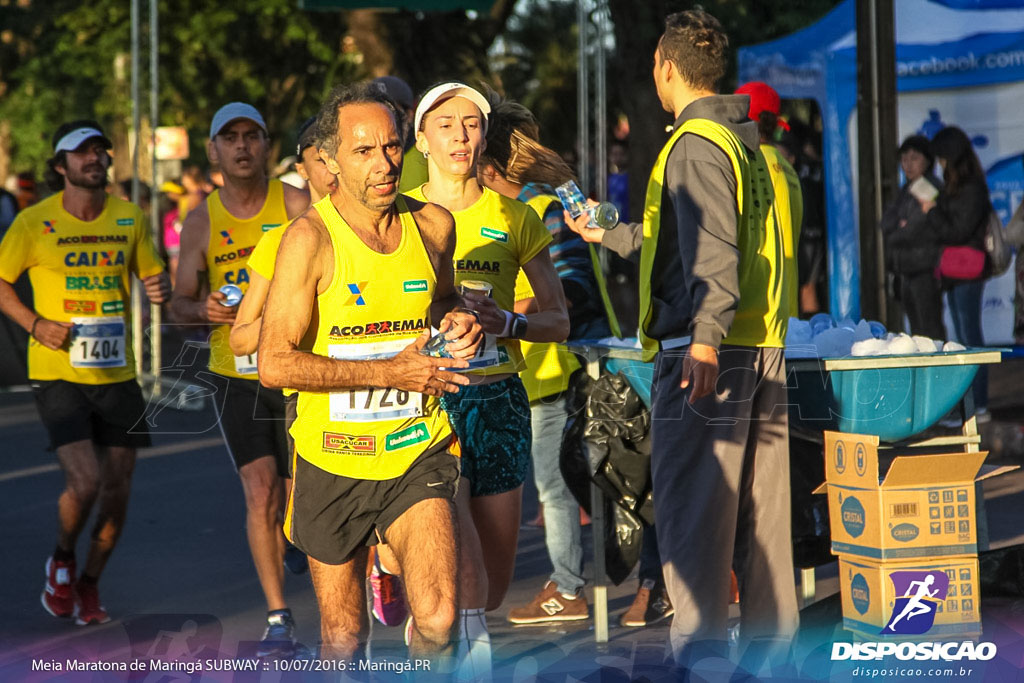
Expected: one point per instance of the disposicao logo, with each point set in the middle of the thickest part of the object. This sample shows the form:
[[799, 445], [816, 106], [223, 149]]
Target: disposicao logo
[[920, 594], [913, 613]]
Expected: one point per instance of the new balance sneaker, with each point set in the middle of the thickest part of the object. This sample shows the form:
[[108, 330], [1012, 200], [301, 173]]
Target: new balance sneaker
[[550, 606], [58, 597], [88, 609], [295, 560], [388, 597], [279, 637], [650, 605]]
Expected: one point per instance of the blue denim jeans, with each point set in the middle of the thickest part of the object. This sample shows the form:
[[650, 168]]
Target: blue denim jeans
[[965, 308], [561, 511]]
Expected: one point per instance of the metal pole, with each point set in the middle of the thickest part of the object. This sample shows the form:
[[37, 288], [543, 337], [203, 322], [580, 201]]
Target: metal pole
[[601, 115], [583, 96], [155, 313], [136, 126], [601, 102]]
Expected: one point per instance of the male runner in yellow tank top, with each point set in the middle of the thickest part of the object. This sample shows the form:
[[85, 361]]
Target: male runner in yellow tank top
[[81, 247], [216, 241], [361, 276]]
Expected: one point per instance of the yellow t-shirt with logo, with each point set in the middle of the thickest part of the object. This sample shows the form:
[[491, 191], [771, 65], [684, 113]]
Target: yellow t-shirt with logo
[[548, 366], [81, 273], [263, 259], [232, 241], [375, 306], [493, 239]]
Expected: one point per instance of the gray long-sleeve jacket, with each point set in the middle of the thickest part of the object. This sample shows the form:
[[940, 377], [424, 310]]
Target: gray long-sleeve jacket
[[695, 285]]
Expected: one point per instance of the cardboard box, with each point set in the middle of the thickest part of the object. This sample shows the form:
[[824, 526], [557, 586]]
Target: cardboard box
[[874, 593], [921, 506]]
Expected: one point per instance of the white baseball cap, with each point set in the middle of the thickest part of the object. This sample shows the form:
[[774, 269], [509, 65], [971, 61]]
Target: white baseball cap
[[233, 111], [445, 91], [74, 139]]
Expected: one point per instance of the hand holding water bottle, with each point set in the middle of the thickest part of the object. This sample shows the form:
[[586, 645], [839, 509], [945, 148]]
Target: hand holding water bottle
[[602, 215]]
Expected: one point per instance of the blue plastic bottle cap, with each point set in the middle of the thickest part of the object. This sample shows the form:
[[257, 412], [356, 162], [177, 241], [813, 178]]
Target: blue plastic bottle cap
[[232, 295]]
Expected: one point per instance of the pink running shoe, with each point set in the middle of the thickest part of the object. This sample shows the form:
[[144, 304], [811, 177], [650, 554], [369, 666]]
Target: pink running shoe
[[388, 598]]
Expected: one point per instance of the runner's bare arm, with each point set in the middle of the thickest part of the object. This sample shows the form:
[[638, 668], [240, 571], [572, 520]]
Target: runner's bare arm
[[295, 200], [551, 321], [49, 333], [438, 229], [188, 305], [245, 333], [548, 321], [305, 267]]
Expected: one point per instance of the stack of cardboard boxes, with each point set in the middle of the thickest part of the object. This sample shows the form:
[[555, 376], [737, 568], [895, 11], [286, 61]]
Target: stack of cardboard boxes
[[906, 537]]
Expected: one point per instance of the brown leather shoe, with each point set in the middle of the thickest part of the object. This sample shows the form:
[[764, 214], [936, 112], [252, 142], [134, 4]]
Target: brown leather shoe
[[550, 606], [650, 605]]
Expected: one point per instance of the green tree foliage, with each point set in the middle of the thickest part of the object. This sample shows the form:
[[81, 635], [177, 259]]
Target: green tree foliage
[[63, 59], [535, 63]]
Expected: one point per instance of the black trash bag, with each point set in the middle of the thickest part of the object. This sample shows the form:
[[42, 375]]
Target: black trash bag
[[623, 536], [812, 540], [607, 442], [1002, 572]]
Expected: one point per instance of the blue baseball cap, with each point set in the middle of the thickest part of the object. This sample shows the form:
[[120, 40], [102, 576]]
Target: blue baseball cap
[[232, 111]]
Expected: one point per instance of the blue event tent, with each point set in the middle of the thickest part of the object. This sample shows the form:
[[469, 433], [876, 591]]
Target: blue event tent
[[958, 62]]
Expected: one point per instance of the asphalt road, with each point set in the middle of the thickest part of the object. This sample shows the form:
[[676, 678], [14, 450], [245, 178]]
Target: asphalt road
[[181, 581]]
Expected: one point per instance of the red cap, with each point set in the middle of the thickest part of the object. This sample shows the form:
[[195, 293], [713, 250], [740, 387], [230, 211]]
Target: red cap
[[762, 98]]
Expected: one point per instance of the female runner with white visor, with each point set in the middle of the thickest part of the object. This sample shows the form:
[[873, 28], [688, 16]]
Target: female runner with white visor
[[495, 237]]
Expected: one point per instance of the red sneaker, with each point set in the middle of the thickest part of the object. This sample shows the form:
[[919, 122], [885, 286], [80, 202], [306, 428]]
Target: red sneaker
[[58, 598], [88, 609]]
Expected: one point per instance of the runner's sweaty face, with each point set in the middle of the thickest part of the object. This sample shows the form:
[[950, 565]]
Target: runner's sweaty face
[[453, 134], [86, 167], [369, 155], [240, 149]]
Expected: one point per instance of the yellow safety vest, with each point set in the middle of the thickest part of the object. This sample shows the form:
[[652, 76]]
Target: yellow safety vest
[[762, 314], [789, 203]]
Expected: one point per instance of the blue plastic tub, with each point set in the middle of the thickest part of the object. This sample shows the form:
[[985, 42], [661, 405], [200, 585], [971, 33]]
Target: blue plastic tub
[[893, 402]]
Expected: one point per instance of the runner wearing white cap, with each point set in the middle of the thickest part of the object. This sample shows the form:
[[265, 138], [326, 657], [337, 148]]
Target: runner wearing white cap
[[216, 241], [496, 238], [81, 248]]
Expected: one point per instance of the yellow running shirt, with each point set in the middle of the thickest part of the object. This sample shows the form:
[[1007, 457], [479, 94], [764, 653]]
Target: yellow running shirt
[[494, 238], [548, 366], [227, 255], [375, 306], [81, 273], [263, 259]]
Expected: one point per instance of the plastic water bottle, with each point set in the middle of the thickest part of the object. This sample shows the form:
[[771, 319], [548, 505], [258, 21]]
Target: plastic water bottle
[[436, 346], [604, 215]]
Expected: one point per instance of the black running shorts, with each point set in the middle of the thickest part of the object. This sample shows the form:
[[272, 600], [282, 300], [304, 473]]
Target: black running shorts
[[106, 414], [252, 420], [331, 517]]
